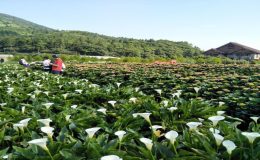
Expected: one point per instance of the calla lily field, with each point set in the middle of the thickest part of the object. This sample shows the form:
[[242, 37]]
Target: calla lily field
[[130, 112]]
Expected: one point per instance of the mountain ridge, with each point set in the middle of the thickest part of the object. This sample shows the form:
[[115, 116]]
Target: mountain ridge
[[21, 26], [19, 35]]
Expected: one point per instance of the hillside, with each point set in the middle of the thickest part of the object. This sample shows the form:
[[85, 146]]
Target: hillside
[[10, 25], [18, 35]]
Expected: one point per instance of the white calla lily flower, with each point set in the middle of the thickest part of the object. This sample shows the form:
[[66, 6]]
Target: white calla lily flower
[[159, 91], [220, 113], [65, 95], [79, 91], [74, 106], [216, 119], [118, 84], [177, 94], [48, 131], [47, 105], [112, 103], [171, 109], [93, 86], [133, 99], [3, 104], [197, 89], [37, 92], [10, 90], [251, 136], [201, 119], [45, 122], [23, 109], [102, 110], [111, 157], [179, 91], [5, 157], [193, 125], [46, 92], [171, 135], [18, 125], [221, 103], [25, 121], [41, 142], [230, 146], [92, 131], [218, 138], [67, 117], [165, 103], [120, 134], [146, 116], [31, 95], [255, 119], [148, 143]]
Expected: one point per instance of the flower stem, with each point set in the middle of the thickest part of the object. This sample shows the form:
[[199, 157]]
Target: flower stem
[[119, 145], [28, 131], [152, 155], [49, 154], [174, 148], [252, 150], [217, 148], [50, 137]]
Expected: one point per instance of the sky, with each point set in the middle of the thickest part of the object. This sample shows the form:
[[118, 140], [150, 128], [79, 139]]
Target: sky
[[203, 23]]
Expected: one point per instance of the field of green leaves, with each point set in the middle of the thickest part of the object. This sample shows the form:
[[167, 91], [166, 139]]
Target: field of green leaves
[[235, 85], [130, 112]]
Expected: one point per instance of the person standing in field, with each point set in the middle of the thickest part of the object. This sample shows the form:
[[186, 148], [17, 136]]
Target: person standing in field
[[56, 65], [46, 64], [23, 62]]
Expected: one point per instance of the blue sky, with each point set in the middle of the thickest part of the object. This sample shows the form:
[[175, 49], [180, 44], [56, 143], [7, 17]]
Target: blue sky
[[204, 23]]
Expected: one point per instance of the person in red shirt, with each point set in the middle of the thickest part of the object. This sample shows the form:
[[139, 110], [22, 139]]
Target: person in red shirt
[[56, 65]]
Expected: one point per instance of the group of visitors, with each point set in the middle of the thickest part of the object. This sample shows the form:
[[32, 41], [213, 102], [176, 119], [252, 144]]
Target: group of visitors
[[55, 66]]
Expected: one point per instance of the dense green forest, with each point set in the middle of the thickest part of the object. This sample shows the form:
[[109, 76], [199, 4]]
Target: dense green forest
[[18, 35]]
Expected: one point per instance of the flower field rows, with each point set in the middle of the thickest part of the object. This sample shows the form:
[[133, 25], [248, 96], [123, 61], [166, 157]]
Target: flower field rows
[[236, 85], [125, 113]]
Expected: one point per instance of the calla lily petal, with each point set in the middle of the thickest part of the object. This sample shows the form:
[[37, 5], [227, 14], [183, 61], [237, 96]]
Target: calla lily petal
[[148, 143], [120, 134], [193, 125], [251, 136], [45, 122], [40, 142], [216, 119], [255, 119], [218, 138], [171, 135], [112, 103], [102, 110], [111, 157], [92, 131], [230, 146], [146, 116], [25, 121], [47, 130]]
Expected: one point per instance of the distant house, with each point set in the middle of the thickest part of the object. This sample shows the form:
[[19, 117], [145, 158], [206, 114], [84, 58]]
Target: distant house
[[235, 51]]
